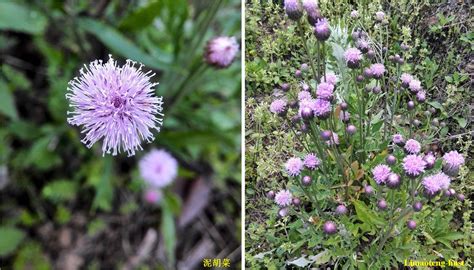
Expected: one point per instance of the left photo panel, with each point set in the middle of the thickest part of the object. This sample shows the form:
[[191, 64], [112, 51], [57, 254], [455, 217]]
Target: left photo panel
[[120, 128]]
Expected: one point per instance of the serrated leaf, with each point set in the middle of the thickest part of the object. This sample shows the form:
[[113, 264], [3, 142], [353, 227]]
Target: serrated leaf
[[10, 238], [60, 190], [367, 215], [21, 18]]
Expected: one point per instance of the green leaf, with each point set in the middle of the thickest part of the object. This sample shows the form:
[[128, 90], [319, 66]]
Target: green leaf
[[30, 256], [366, 215], [101, 179], [10, 238], [141, 17], [173, 202], [119, 44], [300, 262], [168, 231], [60, 190], [7, 103], [436, 105], [21, 18], [461, 121]]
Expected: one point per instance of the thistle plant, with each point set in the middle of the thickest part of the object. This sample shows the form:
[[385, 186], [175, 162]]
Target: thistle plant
[[362, 174]]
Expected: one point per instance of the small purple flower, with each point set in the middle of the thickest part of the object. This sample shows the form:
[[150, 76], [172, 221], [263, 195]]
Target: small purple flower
[[452, 161], [381, 173], [152, 196], [325, 91], [322, 30], [334, 139], [406, 79], [293, 9], [271, 194], [311, 161], [116, 104], [294, 166], [158, 168], [413, 165], [354, 14], [306, 181], [221, 51], [283, 198], [304, 67], [330, 78], [341, 209], [393, 180], [369, 190], [411, 224], [283, 212], [363, 45], [377, 70], [304, 105], [379, 16], [351, 129], [430, 160], [417, 206], [398, 139], [421, 96], [304, 95], [412, 146], [329, 227], [353, 57], [322, 108], [414, 85], [311, 7], [391, 160], [344, 116], [382, 204], [278, 106]]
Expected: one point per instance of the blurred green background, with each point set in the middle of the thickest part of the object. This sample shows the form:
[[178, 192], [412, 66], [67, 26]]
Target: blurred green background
[[63, 205]]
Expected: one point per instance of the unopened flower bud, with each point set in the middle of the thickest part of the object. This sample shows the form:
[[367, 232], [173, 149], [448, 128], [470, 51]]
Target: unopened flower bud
[[369, 190], [329, 227], [391, 160], [306, 181], [326, 135], [351, 129], [344, 106], [298, 73], [393, 180], [410, 105], [382, 204], [296, 201], [341, 209], [417, 206], [411, 224], [271, 194]]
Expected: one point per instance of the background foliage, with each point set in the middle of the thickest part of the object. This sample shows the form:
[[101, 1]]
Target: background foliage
[[440, 41], [63, 204]]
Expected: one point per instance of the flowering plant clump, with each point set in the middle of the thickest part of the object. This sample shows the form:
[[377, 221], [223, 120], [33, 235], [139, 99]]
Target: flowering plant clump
[[362, 179]]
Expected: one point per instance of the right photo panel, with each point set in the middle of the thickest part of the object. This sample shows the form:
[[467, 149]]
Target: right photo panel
[[358, 134]]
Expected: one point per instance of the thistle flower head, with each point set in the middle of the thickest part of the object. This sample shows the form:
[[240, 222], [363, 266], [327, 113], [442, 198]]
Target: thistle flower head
[[414, 165], [329, 227], [310, 6], [453, 159], [354, 14], [406, 79], [334, 139], [325, 91], [158, 168], [283, 198], [116, 104], [414, 85], [322, 108], [362, 45], [413, 146], [344, 116], [353, 57], [322, 30], [398, 139], [152, 195], [330, 78], [294, 166], [436, 182], [380, 173], [278, 106], [304, 95], [421, 96], [221, 51], [377, 70], [293, 9], [311, 161], [379, 16]]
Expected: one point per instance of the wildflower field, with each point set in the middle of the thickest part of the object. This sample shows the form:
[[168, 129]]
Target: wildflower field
[[358, 134], [120, 134]]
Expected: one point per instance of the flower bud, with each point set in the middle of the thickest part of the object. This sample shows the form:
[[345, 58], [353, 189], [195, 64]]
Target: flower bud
[[296, 201], [393, 180], [153, 196], [344, 106], [322, 30], [293, 9], [326, 135], [391, 160], [404, 47], [411, 224], [410, 105], [370, 54], [367, 73], [435, 122], [341, 210], [369, 190], [329, 227], [452, 192], [283, 212], [271, 194], [285, 87], [306, 181], [461, 197], [377, 90], [298, 73], [360, 78], [382, 204], [417, 206], [351, 129], [307, 113], [442, 124], [416, 123]]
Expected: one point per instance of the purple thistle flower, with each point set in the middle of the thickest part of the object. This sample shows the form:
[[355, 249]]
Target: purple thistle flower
[[311, 161], [379, 16], [452, 161], [304, 104], [341, 209], [344, 116], [368, 189], [421, 96], [377, 70], [353, 57], [406, 79], [293, 9], [221, 51], [398, 139], [411, 224], [325, 91], [329, 227], [412, 146], [381, 173], [294, 166], [304, 95], [362, 45], [278, 106], [414, 85], [322, 108], [322, 30], [436, 182], [330, 78], [283, 198], [158, 168], [334, 139], [310, 5], [304, 67], [430, 160], [413, 165], [115, 103], [305, 86]]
